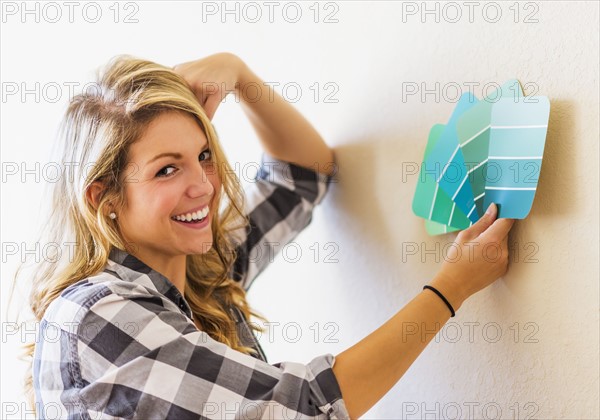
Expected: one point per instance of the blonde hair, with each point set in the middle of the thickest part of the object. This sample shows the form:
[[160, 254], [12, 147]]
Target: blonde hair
[[98, 129]]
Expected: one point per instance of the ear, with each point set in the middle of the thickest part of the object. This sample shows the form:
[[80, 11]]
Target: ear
[[94, 192]]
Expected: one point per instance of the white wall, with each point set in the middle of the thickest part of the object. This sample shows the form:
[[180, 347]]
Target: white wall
[[544, 363]]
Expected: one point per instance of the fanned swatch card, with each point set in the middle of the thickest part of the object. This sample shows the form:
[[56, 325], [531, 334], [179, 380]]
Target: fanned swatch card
[[490, 150]]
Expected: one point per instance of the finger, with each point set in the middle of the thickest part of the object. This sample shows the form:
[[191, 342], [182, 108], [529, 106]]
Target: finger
[[499, 229], [201, 96], [504, 244], [212, 103], [506, 250], [482, 224], [180, 66]]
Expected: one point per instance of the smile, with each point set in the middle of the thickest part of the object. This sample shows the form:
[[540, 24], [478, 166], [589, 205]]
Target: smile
[[195, 215]]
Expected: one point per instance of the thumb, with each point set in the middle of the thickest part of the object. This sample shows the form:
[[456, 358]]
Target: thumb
[[482, 224]]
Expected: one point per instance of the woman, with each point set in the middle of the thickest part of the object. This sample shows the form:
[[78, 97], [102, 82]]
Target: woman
[[148, 317]]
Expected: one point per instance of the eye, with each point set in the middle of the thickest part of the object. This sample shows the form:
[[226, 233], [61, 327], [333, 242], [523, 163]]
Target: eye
[[163, 172], [209, 154]]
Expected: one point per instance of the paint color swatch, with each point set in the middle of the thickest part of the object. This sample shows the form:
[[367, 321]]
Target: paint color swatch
[[473, 130], [449, 164], [430, 202], [489, 151], [517, 142]]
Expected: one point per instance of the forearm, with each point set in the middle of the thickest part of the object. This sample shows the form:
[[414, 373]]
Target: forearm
[[282, 130], [370, 368]]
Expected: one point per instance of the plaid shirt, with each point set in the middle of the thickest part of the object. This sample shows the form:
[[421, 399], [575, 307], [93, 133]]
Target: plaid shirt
[[122, 343]]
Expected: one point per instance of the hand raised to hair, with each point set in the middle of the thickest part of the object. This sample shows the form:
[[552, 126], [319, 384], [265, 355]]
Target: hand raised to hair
[[212, 78]]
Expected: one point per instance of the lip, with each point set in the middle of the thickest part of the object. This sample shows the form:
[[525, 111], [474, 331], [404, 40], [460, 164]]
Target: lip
[[196, 226], [193, 210]]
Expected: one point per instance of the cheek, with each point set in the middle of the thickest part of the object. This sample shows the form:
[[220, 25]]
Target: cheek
[[216, 183], [212, 175], [154, 204]]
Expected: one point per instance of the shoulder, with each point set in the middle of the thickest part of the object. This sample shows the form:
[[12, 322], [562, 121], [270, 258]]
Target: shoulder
[[94, 329], [104, 320], [72, 307]]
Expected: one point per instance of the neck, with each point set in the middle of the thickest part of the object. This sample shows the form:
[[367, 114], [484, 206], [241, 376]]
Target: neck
[[172, 267]]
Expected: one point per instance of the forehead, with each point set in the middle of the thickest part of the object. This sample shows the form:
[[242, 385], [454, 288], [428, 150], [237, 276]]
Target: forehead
[[169, 132]]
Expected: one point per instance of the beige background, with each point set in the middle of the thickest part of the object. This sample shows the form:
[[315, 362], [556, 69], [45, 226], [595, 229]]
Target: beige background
[[526, 347]]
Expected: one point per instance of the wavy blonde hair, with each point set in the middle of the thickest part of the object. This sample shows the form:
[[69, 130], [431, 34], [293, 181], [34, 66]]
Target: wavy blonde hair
[[98, 129]]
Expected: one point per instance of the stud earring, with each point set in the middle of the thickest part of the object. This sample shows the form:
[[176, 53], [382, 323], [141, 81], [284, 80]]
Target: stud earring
[[112, 215]]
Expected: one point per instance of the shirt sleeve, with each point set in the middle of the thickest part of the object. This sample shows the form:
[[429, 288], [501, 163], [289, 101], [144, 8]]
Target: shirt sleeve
[[143, 358], [279, 205]]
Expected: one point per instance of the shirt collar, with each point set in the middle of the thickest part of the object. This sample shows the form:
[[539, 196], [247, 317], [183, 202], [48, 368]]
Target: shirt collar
[[161, 283]]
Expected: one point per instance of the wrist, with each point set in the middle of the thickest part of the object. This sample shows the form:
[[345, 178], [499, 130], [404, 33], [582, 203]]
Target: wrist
[[450, 289], [245, 76]]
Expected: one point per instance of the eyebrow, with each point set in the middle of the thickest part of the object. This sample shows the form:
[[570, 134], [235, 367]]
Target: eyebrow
[[167, 154], [174, 155]]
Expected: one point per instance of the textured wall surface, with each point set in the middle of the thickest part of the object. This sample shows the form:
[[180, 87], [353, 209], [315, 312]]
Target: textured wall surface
[[526, 347]]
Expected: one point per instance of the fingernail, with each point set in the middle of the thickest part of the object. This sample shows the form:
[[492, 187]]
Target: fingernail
[[489, 209]]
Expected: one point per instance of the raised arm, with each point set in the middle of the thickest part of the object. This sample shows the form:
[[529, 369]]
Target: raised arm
[[282, 130], [284, 133]]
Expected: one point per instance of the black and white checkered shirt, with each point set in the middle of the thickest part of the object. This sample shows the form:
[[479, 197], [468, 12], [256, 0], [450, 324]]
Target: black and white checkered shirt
[[122, 344]]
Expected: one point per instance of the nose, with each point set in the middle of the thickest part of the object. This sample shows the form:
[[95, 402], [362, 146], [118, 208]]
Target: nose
[[200, 184]]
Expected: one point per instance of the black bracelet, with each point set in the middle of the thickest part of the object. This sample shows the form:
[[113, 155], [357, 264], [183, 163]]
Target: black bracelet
[[441, 297]]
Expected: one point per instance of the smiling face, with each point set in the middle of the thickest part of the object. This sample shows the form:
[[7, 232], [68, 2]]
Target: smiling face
[[170, 179]]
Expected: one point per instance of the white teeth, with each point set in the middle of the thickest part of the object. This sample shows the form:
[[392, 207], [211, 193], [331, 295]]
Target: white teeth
[[197, 215]]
